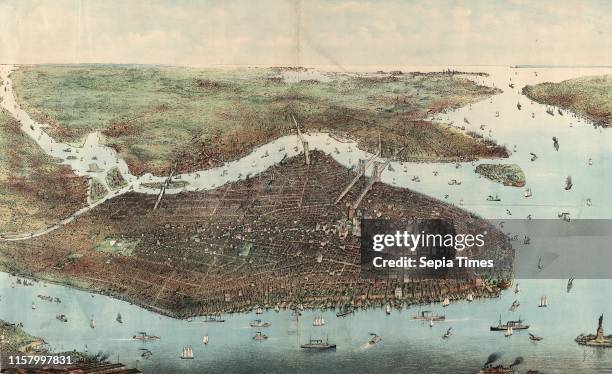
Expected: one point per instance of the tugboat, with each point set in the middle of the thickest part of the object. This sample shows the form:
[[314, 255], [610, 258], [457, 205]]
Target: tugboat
[[568, 183], [260, 337], [260, 323], [375, 339], [318, 321], [428, 315], [516, 325], [187, 353], [144, 336], [543, 302], [488, 367], [318, 344]]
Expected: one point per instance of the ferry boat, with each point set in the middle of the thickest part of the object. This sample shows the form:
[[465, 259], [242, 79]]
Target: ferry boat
[[213, 319], [516, 325], [318, 344], [428, 315], [543, 302], [260, 323], [318, 321], [259, 336], [187, 353], [144, 336]]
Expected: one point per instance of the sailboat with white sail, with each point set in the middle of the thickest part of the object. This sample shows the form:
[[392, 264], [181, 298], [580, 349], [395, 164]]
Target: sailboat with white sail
[[470, 297], [446, 302], [187, 353], [318, 321], [205, 339], [543, 302], [508, 332]]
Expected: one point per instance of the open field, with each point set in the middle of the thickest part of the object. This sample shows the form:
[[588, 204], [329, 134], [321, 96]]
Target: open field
[[198, 118], [274, 239], [34, 189], [590, 97]]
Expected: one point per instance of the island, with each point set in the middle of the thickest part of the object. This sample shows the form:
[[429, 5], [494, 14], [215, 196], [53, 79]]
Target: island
[[506, 174], [588, 97], [597, 340]]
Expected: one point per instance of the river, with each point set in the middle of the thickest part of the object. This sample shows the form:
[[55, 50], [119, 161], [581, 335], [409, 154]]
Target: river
[[407, 345]]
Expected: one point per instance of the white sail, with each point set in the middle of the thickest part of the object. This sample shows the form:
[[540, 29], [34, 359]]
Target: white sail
[[431, 323], [470, 297], [205, 339]]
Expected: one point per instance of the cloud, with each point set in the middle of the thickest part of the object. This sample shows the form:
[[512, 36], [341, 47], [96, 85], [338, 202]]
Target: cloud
[[341, 33]]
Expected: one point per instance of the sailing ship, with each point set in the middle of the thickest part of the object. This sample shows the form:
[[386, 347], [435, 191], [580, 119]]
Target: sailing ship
[[318, 344], [493, 198], [259, 336], [533, 156], [428, 315], [446, 302], [187, 353], [375, 339], [447, 334], [568, 183], [431, 323], [528, 192], [550, 111], [570, 284], [511, 85], [517, 325], [205, 339], [518, 106], [470, 297], [588, 202], [144, 336], [119, 318], [258, 310], [345, 311], [560, 112], [318, 321], [543, 302], [540, 266], [388, 309], [515, 304], [260, 323]]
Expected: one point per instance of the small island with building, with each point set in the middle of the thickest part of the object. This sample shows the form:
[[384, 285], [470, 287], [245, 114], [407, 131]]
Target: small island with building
[[598, 340], [506, 174]]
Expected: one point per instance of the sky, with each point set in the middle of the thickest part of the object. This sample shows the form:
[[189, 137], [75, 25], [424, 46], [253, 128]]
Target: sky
[[315, 32]]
